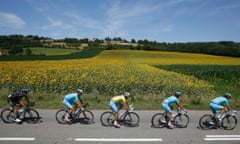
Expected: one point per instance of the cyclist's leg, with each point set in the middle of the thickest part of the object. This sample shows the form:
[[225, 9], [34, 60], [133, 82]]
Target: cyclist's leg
[[215, 107], [114, 108], [168, 111], [70, 108]]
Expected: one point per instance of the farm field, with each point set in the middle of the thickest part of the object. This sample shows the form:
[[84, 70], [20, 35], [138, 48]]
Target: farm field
[[52, 51], [149, 76]]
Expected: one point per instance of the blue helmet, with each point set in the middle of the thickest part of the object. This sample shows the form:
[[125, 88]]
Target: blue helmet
[[25, 91]]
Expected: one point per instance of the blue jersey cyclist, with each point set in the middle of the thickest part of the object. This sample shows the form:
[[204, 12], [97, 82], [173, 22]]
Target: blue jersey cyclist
[[72, 101], [220, 103], [116, 103], [167, 104]]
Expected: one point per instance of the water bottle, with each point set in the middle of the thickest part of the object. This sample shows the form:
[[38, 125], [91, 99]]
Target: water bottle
[[19, 112], [74, 113], [121, 115]]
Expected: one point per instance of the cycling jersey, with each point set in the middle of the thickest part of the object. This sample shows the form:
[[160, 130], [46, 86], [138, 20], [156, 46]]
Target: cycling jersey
[[166, 104], [116, 102], [15, 98], [217, 103], [70, 100]]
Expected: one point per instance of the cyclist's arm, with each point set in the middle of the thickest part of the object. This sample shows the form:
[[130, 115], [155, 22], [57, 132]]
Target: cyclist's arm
[[126, 105], [227, 108], [180, 106], [27, 99]]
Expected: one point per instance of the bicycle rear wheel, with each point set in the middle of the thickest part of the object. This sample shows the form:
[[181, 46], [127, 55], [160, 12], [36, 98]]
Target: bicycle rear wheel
[[158, 120], [7, 116], [31, 116], [207, 122], [181, 121], [131, 119], [86, 117], [60, 116], [229, 122], [107, 118]]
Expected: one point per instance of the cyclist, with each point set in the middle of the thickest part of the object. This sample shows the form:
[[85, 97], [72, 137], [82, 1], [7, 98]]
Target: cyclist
[[167, 104], [15, 102], [116, 103], [72, 101], [220, 103]]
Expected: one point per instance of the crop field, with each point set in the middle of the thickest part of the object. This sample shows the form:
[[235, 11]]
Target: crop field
[[143, 73], [52, 51]]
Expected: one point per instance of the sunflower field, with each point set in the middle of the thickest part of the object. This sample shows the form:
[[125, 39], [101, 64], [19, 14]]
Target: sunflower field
[[110, 73]]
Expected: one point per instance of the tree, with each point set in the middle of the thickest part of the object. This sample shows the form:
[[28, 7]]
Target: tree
[[28, 52]]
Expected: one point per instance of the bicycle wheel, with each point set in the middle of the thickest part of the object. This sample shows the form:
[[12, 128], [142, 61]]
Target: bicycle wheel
[[207, 122], [86, 117], [131, 119], [107, 118], [60, 116], [7, 116], [181, 121], [229, 122], [158, 120], [31, 116]]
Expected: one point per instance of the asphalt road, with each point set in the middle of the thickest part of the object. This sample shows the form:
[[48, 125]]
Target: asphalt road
[[50, 132]]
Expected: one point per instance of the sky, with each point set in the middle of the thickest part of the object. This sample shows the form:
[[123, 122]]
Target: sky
[[154, 20]]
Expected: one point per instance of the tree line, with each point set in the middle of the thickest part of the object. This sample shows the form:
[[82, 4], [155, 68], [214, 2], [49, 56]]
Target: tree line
[[14, 44]]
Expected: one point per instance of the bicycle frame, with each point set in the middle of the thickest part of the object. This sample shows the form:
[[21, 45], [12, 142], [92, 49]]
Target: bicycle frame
[[123, 114]]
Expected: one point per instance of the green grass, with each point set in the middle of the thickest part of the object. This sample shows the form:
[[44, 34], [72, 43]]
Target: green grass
[[75, 55], [52, 51]]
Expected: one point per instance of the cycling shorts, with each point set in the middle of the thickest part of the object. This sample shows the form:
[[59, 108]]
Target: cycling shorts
[[166, 107], [114, 106], [14, 102], [68, 104], [214, 107]]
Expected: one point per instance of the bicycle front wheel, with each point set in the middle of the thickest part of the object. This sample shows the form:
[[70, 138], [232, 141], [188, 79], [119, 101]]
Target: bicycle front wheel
[[229, 122], [206, 122], [131, 119], [158, 120], [86, 117], [60, 116], [7, 116], [31, 116], [181, 121], [107, 118]]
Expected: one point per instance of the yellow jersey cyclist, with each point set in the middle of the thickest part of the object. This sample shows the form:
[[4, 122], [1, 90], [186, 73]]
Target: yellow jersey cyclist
[[116, 103], [167, 104], [72, 101]]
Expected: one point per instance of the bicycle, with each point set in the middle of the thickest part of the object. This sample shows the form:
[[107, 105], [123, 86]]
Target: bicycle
[[26, 114], [227, 121], [180, 119], [81, 115], [127, 118]]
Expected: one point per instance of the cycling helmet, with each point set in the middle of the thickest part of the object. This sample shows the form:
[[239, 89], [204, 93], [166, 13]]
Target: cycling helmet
[[126, 94], [178, 94], [80, 91], [25, 91], [227, 95]]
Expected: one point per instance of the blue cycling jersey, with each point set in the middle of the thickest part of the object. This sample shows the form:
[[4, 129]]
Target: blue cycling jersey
[[71, 98], [170, 100], [220, 101]]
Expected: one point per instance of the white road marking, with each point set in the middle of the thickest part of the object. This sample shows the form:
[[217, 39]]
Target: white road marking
[[118, 139], [16, 139], [222, 138]]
